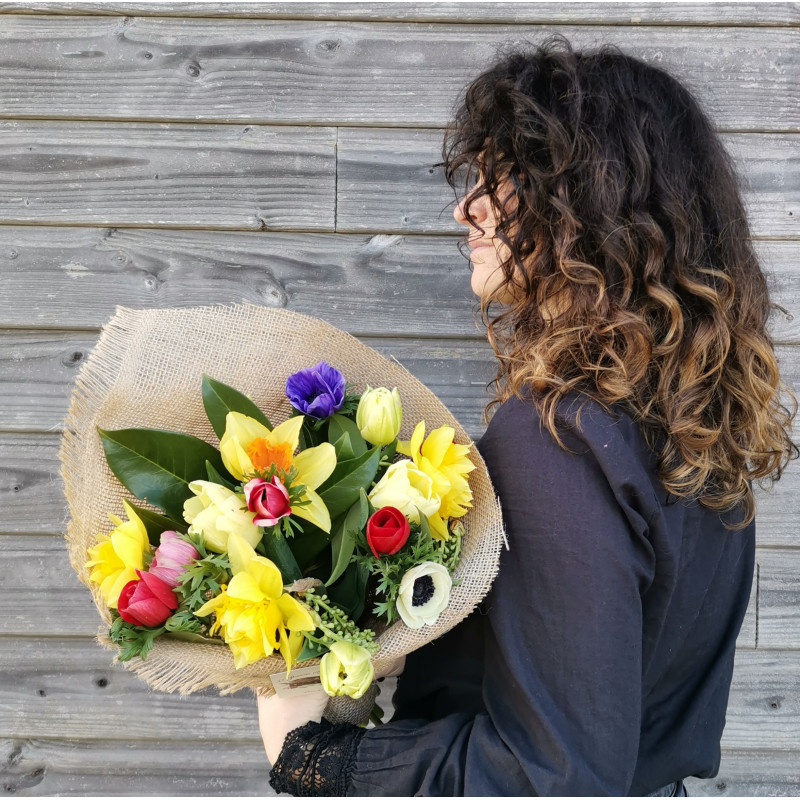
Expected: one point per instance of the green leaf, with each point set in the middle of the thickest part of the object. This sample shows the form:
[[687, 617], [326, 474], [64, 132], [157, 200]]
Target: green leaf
[[343, 448], [219, 399], [339, 426], [311, 650], [313, 431], [188, 636], [309, 543], [344, 541], [424, 528], [157, 466], [279, 552], [215, 477], [155, 524], [342, 489], [386, 459], [349, 592]]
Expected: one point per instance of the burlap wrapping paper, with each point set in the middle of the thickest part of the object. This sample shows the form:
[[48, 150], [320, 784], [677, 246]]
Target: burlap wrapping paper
[[146, 371]]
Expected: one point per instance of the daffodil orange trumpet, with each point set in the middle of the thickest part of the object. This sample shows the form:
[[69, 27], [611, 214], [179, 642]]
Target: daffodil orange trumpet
[[248, 447]]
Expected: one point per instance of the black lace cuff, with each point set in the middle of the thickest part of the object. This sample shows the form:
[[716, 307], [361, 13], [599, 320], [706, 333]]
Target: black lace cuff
[[317, 760]]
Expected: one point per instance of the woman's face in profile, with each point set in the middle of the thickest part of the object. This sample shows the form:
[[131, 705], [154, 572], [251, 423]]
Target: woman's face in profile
[[488, 252]]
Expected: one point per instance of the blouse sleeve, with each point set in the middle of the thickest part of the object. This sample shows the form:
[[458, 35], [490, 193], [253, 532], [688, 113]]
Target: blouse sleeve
[[563, 653]]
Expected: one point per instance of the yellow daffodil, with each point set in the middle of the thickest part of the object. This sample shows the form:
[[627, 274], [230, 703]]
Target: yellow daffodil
[[216, 512], [447, 464], [254, 614], [247, 447], [116, 556]]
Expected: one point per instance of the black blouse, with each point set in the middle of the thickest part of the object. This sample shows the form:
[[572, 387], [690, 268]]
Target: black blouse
[[600, 662]]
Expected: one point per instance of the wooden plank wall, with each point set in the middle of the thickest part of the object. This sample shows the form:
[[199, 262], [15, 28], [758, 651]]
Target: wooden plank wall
[[188, 153]]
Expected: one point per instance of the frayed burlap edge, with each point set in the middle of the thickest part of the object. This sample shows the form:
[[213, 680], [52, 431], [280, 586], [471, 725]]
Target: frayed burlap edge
[[145, 372]]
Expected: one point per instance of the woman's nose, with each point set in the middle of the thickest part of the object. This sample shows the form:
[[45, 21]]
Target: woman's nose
[[477, 209]]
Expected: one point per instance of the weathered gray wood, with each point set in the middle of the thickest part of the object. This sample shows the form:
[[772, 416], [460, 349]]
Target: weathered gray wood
[[392, 285], [38, 368], [41, 767], [387, 181], [274, 177], [752, 773], [193, 176], [349, 72], [764, 705], [619, 14], [42, 596], [779, 598], [69, 689], [31, 493]]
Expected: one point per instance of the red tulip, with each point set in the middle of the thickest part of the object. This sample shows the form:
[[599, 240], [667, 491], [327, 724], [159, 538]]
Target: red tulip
[[269, 501], [387, 531], [147, 601], [171, 556]]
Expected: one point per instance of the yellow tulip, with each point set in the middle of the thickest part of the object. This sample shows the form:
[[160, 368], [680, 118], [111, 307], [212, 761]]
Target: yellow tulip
[[116, 557], [346, 670], [254, 614], [447, 465], [215, 512], [379, 415], [248, 447], [407, 489]]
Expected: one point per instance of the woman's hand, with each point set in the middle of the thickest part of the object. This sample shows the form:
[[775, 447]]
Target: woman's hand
[[279, 715]]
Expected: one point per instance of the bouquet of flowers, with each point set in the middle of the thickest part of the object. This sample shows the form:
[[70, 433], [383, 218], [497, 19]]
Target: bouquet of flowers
[[276, 541], [273, 516]]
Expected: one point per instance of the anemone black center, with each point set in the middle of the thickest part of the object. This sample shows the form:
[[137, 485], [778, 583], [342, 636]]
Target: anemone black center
[[423, 590]]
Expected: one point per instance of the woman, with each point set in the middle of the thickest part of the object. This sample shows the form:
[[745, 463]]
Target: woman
[[638, 397]]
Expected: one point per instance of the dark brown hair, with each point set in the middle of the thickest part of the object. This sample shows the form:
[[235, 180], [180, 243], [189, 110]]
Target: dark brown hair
[[633, 275]]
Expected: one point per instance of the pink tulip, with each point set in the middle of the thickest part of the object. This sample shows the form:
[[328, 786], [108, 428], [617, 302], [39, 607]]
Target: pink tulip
[[147, 601], [269, 501], [172, 556]]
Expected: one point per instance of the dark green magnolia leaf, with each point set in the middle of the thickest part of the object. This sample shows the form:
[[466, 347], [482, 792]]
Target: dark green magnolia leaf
[[155, 524], [344, 540], [338, 426], [219, 399], [280, 553], [157, 466], [215, 477], [342, 489], [349, 592]]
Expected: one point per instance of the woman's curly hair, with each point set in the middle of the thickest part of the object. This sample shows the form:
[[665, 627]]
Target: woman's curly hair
[[633, 275]]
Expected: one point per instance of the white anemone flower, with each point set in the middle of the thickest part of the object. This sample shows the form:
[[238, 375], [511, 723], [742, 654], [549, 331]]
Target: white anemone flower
[[424, 593]]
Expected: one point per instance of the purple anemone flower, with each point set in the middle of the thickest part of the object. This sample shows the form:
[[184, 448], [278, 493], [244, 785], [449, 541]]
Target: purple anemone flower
[[317, 391]]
